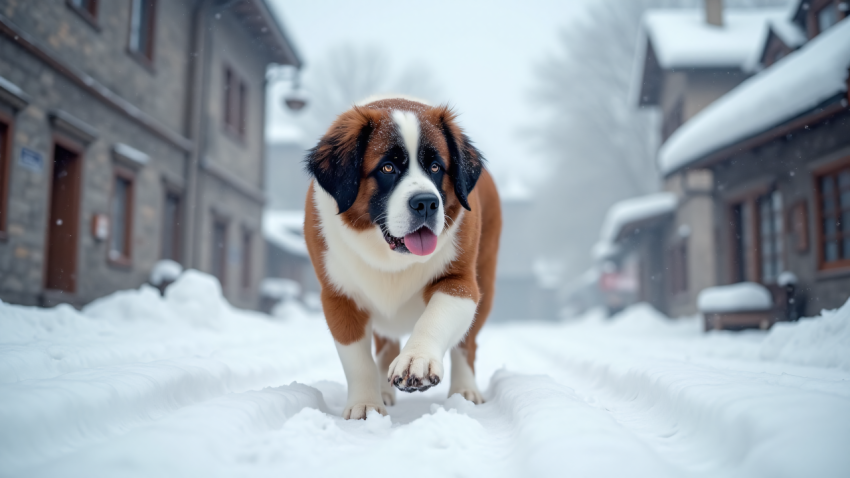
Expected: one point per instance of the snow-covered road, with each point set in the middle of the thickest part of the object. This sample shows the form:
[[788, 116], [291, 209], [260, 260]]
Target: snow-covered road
[[137, 385]]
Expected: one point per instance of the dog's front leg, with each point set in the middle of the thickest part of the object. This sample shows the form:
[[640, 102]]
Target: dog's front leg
[[446, 319], [362, 376]]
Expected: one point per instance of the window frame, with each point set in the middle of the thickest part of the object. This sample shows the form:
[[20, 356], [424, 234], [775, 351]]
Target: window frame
[[753, 266], [777, 220], [236, 94], [124, 258], [177, 229], [90, 15], [832, 169], [6, 134], [145, 58]]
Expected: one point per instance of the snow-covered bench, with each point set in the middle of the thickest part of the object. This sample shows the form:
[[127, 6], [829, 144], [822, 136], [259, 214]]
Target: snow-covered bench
[[738, 306]]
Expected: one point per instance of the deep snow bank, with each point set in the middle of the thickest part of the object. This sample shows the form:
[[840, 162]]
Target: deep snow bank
[[820, 341]]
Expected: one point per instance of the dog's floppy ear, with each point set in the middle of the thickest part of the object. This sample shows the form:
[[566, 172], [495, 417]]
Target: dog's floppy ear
[[466, 161], [337, 161]]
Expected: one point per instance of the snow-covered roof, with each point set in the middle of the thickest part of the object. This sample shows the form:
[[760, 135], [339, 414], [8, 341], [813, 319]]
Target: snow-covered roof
[[285, 229], [628, 212], [789, 32], [794, 85], [744, 296], [683, 39]]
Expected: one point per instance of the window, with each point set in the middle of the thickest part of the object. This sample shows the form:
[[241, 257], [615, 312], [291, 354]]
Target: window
[[756, 224], [770, 233], [235, 103], [677, 264], [834, 218], [827, 16], [86, 9], [5, 169], [142, 29], [247, 239], [171, 227], [824, 14], [219, 250], [121, 218]]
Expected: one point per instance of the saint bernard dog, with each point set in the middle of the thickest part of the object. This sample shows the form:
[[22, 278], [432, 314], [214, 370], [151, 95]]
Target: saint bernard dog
[[402, 225]]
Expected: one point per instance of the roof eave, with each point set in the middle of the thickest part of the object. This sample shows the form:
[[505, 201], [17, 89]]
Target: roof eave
[[280, 48], [815, 115]]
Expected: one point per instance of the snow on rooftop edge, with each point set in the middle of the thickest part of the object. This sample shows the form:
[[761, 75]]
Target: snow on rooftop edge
[[683, 39], [794, 85], [628, 211], [285, 229]]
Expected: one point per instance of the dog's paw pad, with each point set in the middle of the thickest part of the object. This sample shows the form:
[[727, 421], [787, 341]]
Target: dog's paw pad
[[412, 372]]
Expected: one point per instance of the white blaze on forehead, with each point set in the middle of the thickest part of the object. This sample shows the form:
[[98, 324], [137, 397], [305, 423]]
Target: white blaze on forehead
[[408, 128], [413, 182]]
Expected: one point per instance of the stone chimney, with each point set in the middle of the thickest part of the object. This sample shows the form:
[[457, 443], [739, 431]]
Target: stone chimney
[[714, 12]]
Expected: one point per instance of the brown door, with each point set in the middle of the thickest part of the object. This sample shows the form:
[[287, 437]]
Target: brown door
[[63, 227]]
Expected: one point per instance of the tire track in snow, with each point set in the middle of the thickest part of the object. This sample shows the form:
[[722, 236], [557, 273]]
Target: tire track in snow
[[704, 418], [531, 426]]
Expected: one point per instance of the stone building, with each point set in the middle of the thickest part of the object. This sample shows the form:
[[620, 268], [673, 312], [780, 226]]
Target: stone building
[[689, 59], [130, 132], [781, 169], [760, 176]]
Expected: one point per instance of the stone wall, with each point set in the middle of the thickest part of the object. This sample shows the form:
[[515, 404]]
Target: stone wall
[[159, 90], [787, 164]]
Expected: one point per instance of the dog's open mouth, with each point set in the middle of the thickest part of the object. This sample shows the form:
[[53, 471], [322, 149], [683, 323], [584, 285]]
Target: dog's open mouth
[[420, 242]]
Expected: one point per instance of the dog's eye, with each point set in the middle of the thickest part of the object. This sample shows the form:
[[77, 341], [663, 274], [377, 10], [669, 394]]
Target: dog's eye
[[435, 168], [388, 168]]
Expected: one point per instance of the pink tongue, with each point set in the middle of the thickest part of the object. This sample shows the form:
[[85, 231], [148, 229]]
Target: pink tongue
[[421, 242]]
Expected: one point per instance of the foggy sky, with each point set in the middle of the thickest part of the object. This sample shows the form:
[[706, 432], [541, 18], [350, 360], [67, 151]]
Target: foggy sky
[[481, 54]]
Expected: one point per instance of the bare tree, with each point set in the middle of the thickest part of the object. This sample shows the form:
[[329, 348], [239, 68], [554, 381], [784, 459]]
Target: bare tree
[[348, 74]]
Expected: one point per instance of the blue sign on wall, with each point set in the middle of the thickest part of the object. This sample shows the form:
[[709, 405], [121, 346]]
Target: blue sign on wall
[[32, 160]]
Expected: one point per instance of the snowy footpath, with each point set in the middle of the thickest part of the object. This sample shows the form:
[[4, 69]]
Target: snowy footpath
[[185, 385]]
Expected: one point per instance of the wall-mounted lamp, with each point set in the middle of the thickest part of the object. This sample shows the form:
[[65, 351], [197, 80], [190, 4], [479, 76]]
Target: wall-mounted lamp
[[296, 98]]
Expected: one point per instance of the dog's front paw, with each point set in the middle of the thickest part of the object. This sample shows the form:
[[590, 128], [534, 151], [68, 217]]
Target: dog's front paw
[[471, 394], [358, 411], [388, 395], [411, 372]]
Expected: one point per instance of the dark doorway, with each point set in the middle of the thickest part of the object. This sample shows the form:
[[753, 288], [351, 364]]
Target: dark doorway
[[63, 226], [219, 251], [171, 227]]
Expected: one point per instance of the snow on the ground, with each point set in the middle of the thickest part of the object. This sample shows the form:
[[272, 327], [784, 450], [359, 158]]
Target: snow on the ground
[[185, 385]]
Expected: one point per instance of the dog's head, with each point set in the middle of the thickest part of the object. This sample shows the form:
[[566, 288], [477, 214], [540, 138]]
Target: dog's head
[[399, 167]]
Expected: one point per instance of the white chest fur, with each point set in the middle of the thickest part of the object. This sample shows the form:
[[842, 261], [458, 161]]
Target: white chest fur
[[386, 283]]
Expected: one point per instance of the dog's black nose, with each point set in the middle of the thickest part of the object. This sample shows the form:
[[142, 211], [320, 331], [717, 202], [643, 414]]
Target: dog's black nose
[[424, 204]]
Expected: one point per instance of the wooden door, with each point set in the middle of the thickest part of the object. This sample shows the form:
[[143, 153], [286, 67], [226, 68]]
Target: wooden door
[[63, 226]]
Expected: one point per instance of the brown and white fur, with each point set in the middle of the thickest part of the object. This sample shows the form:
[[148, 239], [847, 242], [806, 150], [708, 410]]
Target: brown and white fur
[[369, 169]]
